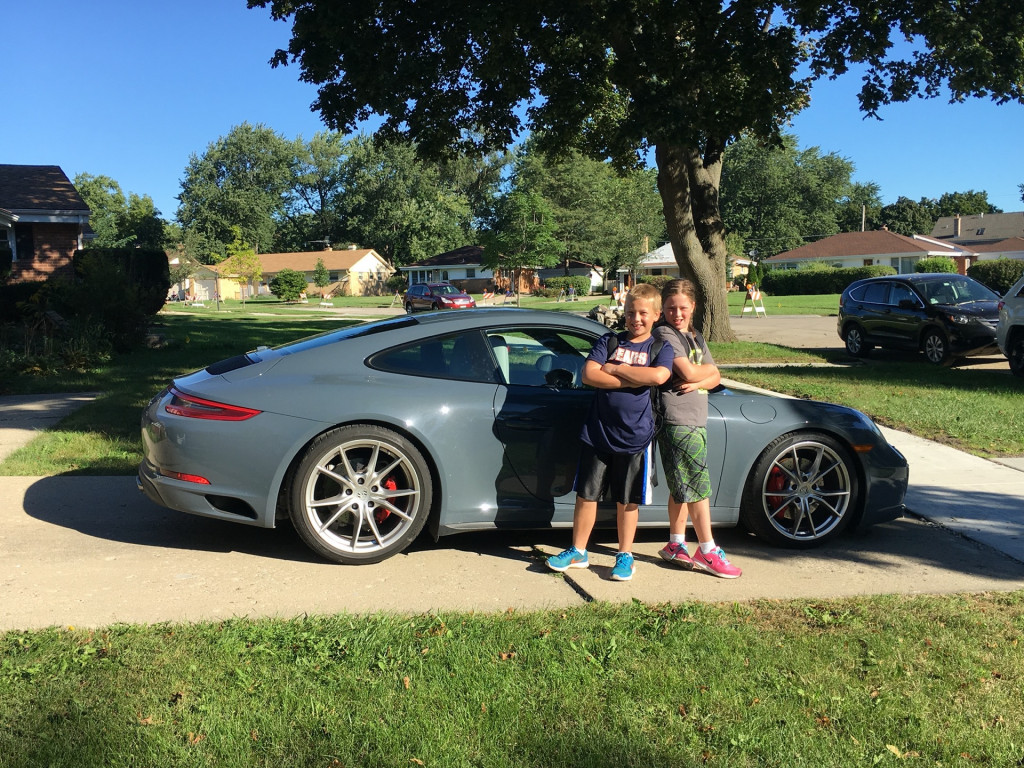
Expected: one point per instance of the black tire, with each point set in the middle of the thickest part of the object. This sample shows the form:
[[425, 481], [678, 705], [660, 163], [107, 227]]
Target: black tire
[[1015, 354], [856, 346], [803, 490], [408, 307], [435, 306], [935, 347], [361, 494]]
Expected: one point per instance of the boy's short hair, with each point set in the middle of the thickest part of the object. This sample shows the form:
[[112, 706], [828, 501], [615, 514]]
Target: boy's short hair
[[645, 292]]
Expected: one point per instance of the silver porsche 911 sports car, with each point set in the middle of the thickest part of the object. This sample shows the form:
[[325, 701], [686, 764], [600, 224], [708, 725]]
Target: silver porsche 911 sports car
[[471, 420]]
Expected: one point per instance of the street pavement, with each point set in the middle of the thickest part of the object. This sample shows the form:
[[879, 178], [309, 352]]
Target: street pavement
[[91, 551]]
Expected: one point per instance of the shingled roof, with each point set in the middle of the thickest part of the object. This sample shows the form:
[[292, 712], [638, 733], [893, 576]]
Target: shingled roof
[[25, 188], [874, 243]]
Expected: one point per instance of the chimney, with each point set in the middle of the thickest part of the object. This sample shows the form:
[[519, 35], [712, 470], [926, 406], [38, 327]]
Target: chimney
[[956, 225]]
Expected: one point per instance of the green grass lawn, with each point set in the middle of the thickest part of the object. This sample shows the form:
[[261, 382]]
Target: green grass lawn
[[891, 681]]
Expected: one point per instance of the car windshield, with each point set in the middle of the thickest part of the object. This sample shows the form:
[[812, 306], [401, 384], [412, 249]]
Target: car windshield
[[444, 290], [956, 291]]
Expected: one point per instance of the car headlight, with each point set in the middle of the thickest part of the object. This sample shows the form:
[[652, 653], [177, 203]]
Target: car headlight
[[959, 319]]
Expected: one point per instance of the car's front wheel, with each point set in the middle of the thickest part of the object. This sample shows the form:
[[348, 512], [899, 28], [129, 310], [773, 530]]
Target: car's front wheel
[[408, 307], [855, 343], [802, 490], [935, 347], [360, 494], [1015, 354]]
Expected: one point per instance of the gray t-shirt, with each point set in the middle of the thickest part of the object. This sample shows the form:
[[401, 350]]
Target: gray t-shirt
[[688, 409]]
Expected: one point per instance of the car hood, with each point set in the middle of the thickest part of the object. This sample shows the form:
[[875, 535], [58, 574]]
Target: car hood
[[985, 309]]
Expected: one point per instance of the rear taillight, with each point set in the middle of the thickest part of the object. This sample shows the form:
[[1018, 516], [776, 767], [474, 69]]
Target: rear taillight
[[197, 408]]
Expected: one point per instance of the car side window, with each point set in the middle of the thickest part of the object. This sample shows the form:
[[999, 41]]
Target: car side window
[[900, 293], [462, 356], [540, 357], [877, 293]]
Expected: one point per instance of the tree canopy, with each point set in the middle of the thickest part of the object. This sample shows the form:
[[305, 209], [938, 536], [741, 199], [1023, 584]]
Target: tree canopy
[[120, 221], [616, 78]]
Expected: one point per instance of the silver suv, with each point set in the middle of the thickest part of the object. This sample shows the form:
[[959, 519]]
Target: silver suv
[[1010, 330]]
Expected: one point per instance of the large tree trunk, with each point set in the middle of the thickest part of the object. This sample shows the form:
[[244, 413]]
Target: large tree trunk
[[688, 183]]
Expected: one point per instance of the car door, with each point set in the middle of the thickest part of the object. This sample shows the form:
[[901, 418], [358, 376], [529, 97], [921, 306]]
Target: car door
[[873, 306], [906, 315], [538, 415]]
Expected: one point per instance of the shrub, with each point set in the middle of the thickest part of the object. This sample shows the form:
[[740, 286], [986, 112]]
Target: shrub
[[288, 284], [397, 283], [658, 281], [555, 285], [108, 290], [999, 275], [813, 282], [936, 264], [13, 298], [145, 272]]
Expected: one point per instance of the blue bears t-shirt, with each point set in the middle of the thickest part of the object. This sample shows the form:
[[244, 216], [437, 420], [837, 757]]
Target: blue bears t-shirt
[[621, 420]]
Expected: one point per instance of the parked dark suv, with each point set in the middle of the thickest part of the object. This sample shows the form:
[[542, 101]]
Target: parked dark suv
[[436, 296], [945, 316]]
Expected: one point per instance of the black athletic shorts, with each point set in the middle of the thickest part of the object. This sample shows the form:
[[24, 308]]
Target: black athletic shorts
[[624, 478]]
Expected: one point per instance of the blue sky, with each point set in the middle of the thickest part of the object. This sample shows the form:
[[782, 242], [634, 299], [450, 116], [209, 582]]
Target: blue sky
[[132, 89]]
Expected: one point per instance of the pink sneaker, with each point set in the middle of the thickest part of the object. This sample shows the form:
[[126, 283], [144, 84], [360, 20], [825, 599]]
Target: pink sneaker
[[714, 562], [677, 555]]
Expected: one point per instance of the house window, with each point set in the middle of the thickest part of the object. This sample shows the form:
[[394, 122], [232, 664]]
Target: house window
[[23, 243], [980, 231], [444, 275], [470, 272], [333, 276]]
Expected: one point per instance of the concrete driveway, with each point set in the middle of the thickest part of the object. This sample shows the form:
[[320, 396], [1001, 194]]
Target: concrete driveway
[[90, 551]]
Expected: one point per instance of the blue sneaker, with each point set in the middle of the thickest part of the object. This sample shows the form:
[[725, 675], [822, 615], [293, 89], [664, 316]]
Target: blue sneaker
[[570, 558], [624, 568]]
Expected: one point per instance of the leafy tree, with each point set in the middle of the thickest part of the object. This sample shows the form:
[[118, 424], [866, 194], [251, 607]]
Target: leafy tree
[[321, 277], [601, 216], [618, 77], [860, 208], [243, 263], [778, 197], [964, 203], [119, 221], [288, 285], [184, 270], [523, 236], [399, 204], [905, 217], [239, 181]]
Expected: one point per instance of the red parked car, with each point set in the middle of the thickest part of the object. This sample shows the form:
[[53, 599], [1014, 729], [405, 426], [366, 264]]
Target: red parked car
[[436, 296]]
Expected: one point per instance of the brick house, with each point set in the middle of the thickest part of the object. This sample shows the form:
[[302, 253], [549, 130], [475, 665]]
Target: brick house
[[43, 220]]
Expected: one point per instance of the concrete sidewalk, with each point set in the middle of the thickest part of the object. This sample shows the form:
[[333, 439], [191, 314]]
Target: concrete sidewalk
[[90, 551]]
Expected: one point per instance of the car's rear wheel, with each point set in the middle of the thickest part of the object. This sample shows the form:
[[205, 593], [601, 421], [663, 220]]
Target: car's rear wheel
[[855, 343], [435, 306], [803, 490], [1015, 354], [361, 494], [935, 347]]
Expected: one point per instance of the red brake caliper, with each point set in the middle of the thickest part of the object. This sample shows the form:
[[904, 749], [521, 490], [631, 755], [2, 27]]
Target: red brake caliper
[[382, 513], [776, 482]]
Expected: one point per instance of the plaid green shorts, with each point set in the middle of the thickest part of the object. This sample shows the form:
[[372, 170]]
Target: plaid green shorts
[[684, 455]]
